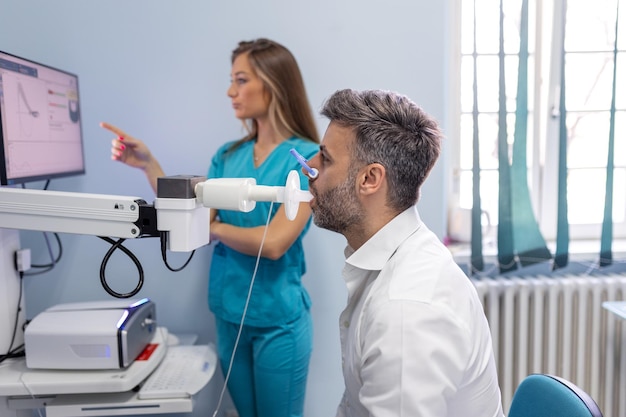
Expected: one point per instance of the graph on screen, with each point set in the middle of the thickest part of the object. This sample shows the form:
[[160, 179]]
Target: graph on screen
[[40, 121]]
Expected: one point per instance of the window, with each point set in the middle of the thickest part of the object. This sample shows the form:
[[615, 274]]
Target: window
[[589, 41]]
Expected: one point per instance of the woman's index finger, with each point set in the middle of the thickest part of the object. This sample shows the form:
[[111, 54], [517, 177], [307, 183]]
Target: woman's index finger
[[113, 129]]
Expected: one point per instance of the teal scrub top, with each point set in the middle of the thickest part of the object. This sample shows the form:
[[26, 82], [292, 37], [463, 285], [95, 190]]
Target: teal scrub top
[[278, 295]]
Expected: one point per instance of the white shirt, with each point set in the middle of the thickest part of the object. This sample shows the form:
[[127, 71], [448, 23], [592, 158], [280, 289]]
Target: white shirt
[[414, 337]]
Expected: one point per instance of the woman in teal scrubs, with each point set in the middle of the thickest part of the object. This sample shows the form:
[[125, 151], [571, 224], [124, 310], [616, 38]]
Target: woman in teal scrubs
[[267, 374]]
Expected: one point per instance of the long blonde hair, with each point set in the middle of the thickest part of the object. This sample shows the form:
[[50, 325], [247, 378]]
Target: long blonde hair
[[289, 108]]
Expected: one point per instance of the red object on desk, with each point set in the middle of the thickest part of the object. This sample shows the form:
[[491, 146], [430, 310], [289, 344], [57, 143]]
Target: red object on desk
[[147, 352]]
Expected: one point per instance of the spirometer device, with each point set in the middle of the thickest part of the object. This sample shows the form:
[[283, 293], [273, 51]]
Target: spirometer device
[[104, 336]]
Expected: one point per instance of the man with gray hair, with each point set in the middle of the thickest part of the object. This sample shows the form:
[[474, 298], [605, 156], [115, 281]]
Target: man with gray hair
[[414, 337]]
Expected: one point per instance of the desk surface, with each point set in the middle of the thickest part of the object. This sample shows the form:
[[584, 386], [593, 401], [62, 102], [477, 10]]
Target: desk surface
[[17, 379], [616, 307]]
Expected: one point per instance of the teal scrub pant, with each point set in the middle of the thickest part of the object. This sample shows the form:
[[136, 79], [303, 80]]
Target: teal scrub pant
[[269, 371]]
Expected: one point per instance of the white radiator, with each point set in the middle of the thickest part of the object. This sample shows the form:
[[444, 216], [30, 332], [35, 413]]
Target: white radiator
[[557, 325]]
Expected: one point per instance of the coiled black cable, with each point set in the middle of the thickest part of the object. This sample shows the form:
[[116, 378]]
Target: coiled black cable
[[117, 244]]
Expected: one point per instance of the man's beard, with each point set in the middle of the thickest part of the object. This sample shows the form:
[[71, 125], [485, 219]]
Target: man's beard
[[338, 209]]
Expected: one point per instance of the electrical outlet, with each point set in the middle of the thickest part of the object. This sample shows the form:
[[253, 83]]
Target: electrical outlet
[[22, 260]]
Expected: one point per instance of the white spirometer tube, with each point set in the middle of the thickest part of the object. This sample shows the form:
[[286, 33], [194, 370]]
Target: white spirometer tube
[[241, 194]]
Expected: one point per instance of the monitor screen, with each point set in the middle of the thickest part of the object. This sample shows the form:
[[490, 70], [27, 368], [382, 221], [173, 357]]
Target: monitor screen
[[40, 122]]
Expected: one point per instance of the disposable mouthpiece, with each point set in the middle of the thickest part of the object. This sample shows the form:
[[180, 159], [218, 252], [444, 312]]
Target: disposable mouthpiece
[[303, 196]]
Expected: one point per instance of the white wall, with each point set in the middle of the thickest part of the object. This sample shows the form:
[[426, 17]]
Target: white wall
[[160, 69]]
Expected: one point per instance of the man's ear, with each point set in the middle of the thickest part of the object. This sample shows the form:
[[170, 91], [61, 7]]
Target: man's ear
[[372, 178]]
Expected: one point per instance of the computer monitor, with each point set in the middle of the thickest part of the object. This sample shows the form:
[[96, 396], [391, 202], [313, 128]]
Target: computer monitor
[[40, 122]]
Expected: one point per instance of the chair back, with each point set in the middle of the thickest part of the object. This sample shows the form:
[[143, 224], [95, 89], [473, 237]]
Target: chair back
[[542, 395]]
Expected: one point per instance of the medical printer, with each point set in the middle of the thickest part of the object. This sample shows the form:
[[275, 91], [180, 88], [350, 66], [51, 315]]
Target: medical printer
[[90, 335]]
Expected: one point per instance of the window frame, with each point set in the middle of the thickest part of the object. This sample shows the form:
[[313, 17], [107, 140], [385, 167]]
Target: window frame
[[542, 153]]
